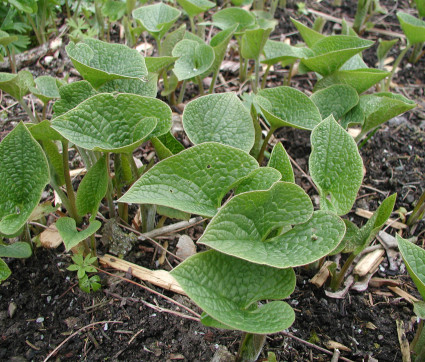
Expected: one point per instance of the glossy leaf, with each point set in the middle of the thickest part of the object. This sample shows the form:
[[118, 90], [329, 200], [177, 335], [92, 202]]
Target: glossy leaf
[[18, 249], [228, 17], [260, 179], [194, 180], [278, 51], [335, 100], [195, 7], [413, 27], [70, 235], [46, 88], [99, 62], [414, 258], [285, 106], [114, 123], [24, 173], [157, 19], [92, 188], [336, 166], [194, 59], [17, 85], [219, 118], [280, 161], [218, 284]]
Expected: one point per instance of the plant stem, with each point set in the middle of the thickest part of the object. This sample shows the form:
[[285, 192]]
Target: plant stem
[[265, 143], [68, 183], [339, 277], [416, 53], [396, 64], [192, 25], [213, 81], [266, 73], [182, 90], [417, 211], [200, 85], [251, 347], [93, 245], [273, 7], [418, 343], [33, 118], [34, 28], [257, 76], [110, 190]]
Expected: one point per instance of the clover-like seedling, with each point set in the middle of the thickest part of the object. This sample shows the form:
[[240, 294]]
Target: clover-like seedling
[[83, 265]]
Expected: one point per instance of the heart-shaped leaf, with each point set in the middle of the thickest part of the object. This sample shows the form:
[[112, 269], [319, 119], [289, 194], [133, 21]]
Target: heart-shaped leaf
[[335, 100], [194, 59], [219, 118], [17, 85], [99, 62], [156, 64], [194, 180], [195, 7], [218, 284], [43, 131], [114, 123], [414, 258], [70, 235], [332, 52], [146, 87], [157, 19], [242, 225], [171, 40], [278, 51], [253, 42], [228, 17], [46, 88], [19, 249], [280, 161], [286, 106], [260, 179], [71, 95], [24, 173], [309, 36], [4, 271], [336, 166], [359, 79], [92, 188], [413, 27]]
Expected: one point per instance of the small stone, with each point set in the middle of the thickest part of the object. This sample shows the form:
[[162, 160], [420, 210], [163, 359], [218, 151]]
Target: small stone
[[48, 59], [12, 309], [40, 320], [380, 337], [410, 198]]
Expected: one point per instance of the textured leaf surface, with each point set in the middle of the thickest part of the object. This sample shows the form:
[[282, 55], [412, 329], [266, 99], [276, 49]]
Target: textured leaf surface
[[335, 100], [194, 59], [156, 64], [195, 180], [99, 62], [116, 123], [17, 85], [280, 161], [414, 258], [70, 235], [146, 87], [46, 88], [309, 36], [277, 51], [260, 179], [413, 27], [24, 173], [228, 290], [360, 79], [253, 42], [92, 188], [241, 227], [43, 131], [157, 19], [19, 249], [228, 17], [286, 106], [219, 118], [335, 166], [4, 271], [195, 7], [333, 51]]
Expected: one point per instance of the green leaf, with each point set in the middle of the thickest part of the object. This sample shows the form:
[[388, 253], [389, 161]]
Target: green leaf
[[6, 39], [309, 36], [218, 284], [195, 7], [194, 181], [194, 59], [414, 258], [242, 225], [419, 309], [71, 95], [146, 87], [172, 213], [420, 6], [17, 85], [278, 51], [43, 131], [92, 188], [99, 62], [348, 243], [264, 19], [19, 249], [114, 10], [336, 166], [332, 52], [55, 160], [380, 107], [286, 106], [279, 160], [360, 79], [335, 100], [4, 271], [219, 118], [23, 173], [70, 235], [384, 47], [171, 40], [228, 17], [260, 179], [157, 19], [114, 123], [46, 88], [169, 141], [354, 116], [42, 210], [253, 42], [413, 27], [25, 6], [156, 64]]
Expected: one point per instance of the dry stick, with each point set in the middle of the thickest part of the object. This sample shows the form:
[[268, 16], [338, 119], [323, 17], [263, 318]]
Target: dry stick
[[74, 334], [152, 291], [311, 345]]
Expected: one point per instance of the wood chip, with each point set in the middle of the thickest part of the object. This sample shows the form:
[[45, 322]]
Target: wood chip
[[369, 262], [354, 132], [185, 247], [403, 294], [368, 214], [379, 282], [161, 278], [320, 278], [336, 345], [77, 172], [50, 237], [404, 344]]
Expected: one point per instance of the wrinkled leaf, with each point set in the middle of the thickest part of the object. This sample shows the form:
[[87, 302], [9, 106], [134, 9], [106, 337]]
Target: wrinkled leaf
[[260, 179], [17, 85], [70, 235], [278, 51], [146, 87], [280, 161], [46, 88], [156, 64], [43, 131]]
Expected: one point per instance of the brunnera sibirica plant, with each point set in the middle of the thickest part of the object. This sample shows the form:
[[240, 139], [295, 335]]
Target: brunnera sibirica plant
[[261, 224]]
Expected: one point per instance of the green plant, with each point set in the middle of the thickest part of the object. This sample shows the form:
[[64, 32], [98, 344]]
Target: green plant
[[366, 9], [414, 258], [83, 265]]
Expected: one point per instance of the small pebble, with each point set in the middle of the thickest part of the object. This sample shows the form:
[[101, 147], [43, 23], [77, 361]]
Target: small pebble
[[48, 59], [12, 309], [380, 337]]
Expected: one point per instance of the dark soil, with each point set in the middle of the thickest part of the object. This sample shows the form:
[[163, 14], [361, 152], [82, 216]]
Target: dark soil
[[41, 305]]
